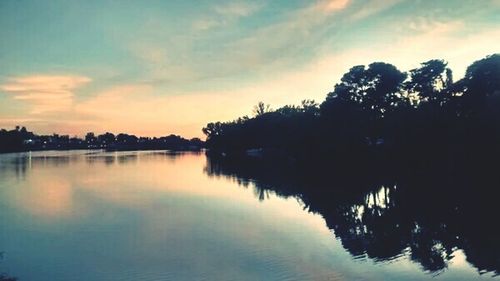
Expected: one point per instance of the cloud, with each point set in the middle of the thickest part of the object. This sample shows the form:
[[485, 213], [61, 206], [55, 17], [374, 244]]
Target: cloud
[[316, 78], [237, 9], [226, 14], [373, 7], [270, 48], [333, 5], [288, 42], [277, 44], [439, 40], [45, 93], [360, 10], [206, 24], [148, 110], [151, 54]]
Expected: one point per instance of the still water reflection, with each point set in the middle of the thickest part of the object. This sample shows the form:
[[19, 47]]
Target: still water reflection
[[87, 215]]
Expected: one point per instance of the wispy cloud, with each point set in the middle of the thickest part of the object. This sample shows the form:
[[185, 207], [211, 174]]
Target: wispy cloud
[[173, 69], [225, 14], [276, 46], [332, 5], [436, 40], [148, 112], [45, 93], [238, 9], [206, 24], [373, 7]]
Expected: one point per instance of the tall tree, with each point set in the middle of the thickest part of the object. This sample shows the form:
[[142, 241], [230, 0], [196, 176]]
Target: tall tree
[[482, 80], [376, 89], [430, 81]]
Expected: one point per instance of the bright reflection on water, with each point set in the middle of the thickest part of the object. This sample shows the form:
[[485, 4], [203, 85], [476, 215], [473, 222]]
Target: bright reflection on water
[[84, 215]]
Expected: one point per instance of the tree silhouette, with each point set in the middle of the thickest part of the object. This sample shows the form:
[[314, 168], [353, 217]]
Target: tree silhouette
[[376, 88], [430, 82], [20, 139], [482, 80], [380, 111], [261, 109]]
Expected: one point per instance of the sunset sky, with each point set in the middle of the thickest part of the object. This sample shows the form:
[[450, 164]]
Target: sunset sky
[[158, 67]]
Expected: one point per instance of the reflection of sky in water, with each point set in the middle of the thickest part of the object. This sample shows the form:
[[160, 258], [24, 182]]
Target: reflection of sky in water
[[157, 216]]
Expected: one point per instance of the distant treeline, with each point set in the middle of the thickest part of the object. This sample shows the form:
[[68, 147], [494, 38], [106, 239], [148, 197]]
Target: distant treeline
[[20, 139], [379, 112]]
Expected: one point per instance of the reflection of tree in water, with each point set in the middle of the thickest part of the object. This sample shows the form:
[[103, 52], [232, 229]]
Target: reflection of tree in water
[[378, 228], [21, 163], [3, 276], [7, 278], [427, 218]]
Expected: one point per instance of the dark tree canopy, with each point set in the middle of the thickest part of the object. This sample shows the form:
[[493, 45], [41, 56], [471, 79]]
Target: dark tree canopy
[[421, 113], [430, 82], [375, 89], [20, 139], [482, 80]]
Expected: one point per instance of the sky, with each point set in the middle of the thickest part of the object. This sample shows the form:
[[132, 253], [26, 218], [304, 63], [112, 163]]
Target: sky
[[154, 68]]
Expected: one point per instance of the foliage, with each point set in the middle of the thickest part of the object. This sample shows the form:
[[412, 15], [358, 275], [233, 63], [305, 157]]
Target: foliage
[[20, 139], [379, 109]]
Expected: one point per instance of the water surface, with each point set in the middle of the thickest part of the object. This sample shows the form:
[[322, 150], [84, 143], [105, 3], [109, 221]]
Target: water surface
[[92, 215]]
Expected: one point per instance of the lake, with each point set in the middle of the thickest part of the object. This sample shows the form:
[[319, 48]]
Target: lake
[[156, 215]]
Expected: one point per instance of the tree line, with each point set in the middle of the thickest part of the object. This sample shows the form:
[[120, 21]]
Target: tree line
[[380, 112], [20, 139]]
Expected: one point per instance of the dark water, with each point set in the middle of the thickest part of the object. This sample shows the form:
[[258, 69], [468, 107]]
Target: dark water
[[84, 215]]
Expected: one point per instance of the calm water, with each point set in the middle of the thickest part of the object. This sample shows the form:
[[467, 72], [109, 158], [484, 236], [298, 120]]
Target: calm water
[[83, 215]]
